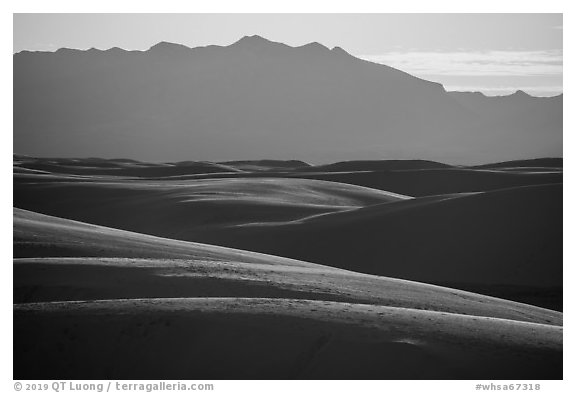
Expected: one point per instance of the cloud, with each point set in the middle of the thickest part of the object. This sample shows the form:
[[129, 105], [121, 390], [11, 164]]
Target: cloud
[[473, 63]]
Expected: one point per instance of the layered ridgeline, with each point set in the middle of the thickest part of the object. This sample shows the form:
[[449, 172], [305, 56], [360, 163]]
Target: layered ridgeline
[[119, 268], [495, 230], [117, 304], [257, 98]]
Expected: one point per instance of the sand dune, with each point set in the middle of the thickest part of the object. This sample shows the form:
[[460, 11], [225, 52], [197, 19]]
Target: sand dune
[[172, 208], [420, 182], [170, 265], [297, 266], [267, 165], [225, 275], [424, 182], [375, 165], [413, 182], [124, 305], [39, 235], [502, 238], [245, 315], [550, 163], [238, 338], [119, 167], [507, 237], [504, 243], [408, 177]]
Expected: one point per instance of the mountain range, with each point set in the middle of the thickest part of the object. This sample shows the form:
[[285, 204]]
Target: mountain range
[[262, 99]]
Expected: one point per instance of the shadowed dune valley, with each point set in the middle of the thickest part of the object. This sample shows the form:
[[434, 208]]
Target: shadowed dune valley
[[278, 211]]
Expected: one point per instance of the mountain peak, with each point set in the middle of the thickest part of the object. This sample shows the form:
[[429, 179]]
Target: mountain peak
[[116, 49], [257, 43], [521, 93], [167, 47], [314, 46], [253, 40], [338, 50], [271, 98], [67, 50]]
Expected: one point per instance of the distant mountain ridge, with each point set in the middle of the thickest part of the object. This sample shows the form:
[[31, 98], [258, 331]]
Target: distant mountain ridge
[[259, 98]]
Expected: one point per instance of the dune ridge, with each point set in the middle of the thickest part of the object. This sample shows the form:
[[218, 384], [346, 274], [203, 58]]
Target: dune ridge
[[316, 339], [506, 237], [194, 260], [496, 233], [360, 284]]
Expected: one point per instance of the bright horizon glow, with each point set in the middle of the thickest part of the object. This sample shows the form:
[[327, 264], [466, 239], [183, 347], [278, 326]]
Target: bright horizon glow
[[452, 69]]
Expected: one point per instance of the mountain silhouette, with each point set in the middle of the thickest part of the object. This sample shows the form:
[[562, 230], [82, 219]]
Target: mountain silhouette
[[257, 98]]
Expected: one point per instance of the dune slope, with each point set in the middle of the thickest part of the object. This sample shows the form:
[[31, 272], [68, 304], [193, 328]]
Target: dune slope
[[461, 237], [120, 264], [39, 235], [170, 208], [426, 182], [235, 338], [504, 243], [119, 167], [487, 241], [141, 305]]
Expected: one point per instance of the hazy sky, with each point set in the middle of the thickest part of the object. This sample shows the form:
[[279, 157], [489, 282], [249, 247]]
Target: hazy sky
[[493, 53]]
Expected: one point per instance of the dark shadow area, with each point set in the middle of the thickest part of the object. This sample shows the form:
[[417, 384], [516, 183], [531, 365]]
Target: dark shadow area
[[195, 344]]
